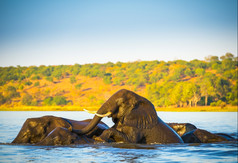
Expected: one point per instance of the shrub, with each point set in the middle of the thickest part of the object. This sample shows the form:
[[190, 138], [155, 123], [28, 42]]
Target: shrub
[[78, 86], [59, 100], [37, 77], [72, 80], [220, 103], [50, 79], [234, 103], [28, 83], [48, 101], [213, 104], [2, 99], [27, 100], [37, 84]]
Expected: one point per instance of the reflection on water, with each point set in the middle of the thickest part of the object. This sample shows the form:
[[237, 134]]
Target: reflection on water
[[11, 122]]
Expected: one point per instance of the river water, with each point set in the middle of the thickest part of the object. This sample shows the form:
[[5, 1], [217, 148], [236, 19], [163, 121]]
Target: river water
[[225, 122]]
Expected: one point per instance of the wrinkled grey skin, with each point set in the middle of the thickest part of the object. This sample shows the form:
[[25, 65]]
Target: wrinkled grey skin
[[50, 130], [135, 119]]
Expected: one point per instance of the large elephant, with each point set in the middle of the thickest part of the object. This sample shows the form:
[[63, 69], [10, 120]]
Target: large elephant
[[135, 119], [51, 130]]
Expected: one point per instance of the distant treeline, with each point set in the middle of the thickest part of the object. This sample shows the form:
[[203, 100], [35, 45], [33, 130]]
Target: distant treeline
[[174, 83]]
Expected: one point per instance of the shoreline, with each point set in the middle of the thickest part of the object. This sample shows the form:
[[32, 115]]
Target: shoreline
[[95, 108]]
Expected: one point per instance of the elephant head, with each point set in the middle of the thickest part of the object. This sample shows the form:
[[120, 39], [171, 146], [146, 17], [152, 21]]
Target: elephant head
[[127, 108]]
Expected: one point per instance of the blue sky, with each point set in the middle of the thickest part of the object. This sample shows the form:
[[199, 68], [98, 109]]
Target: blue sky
[[54, 32]]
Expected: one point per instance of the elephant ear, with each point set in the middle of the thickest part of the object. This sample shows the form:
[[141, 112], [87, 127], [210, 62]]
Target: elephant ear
[[143, 116]]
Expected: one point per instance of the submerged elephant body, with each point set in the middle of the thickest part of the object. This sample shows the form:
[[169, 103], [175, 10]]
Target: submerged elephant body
[[51, 130], [135, 121]]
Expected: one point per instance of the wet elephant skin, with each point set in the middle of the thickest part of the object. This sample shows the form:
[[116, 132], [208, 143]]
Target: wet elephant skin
[[41, 130]]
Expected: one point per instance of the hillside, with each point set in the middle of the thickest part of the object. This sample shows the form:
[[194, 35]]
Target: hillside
[[167, 84]]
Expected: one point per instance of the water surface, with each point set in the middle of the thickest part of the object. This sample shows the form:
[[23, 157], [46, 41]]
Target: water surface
[[226, 122]]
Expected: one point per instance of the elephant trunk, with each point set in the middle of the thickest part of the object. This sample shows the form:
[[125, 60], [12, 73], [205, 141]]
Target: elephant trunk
[[93, 123], [108, 108]]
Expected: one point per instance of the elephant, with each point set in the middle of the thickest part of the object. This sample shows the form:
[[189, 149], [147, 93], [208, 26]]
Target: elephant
[[51, 130], [191, 134], [135, 121], [182, 128], [203, 136]]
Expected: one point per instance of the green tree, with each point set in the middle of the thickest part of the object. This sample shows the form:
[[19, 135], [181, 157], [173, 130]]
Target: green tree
[[200, 71], [37, 84], [2, 99], [57, 72], [152, 92], [178, 73], [48, 101], [232, 96], [49, 78], [196, 95], [59, 100], [188, 92], [207, 89], [78, 86], [36, 77], [212, 58], [46, 71], [76, 69], [177, 94], [28, 83], [27, 100], [107, 79], [11, 92], [73, 80], [222, 87]]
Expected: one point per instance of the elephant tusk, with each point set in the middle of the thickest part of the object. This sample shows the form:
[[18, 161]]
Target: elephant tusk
[[104, 115], [91, 112]]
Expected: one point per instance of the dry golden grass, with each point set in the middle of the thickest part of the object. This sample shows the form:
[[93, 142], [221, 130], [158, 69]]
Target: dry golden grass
[[92, 94]]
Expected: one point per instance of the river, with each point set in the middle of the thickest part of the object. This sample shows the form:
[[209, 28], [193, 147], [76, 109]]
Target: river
[[225, 122]]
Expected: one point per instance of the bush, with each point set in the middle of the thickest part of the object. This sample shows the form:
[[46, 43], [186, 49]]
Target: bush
[[50, 79], [36, 77], [48, 101], [78, 86], [2, 99], [72, 80], [37, 84], [59, 100], [213, 104], [220, 103], [234, 103], [28, 83], [27, 100], [107, 78], [21, 87], [12, 92]]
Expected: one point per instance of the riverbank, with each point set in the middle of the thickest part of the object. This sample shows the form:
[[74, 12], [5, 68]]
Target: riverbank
[[78, 108]]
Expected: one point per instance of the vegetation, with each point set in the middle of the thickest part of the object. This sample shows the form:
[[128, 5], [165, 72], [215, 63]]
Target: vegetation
[[212, 82]]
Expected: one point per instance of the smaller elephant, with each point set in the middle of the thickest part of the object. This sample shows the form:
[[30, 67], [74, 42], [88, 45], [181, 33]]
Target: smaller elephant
[[202, 136], [191, 134], [182, 128], [51, 130]]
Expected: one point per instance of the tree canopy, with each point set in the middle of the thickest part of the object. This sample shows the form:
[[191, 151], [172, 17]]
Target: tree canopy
[[174, 83]]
